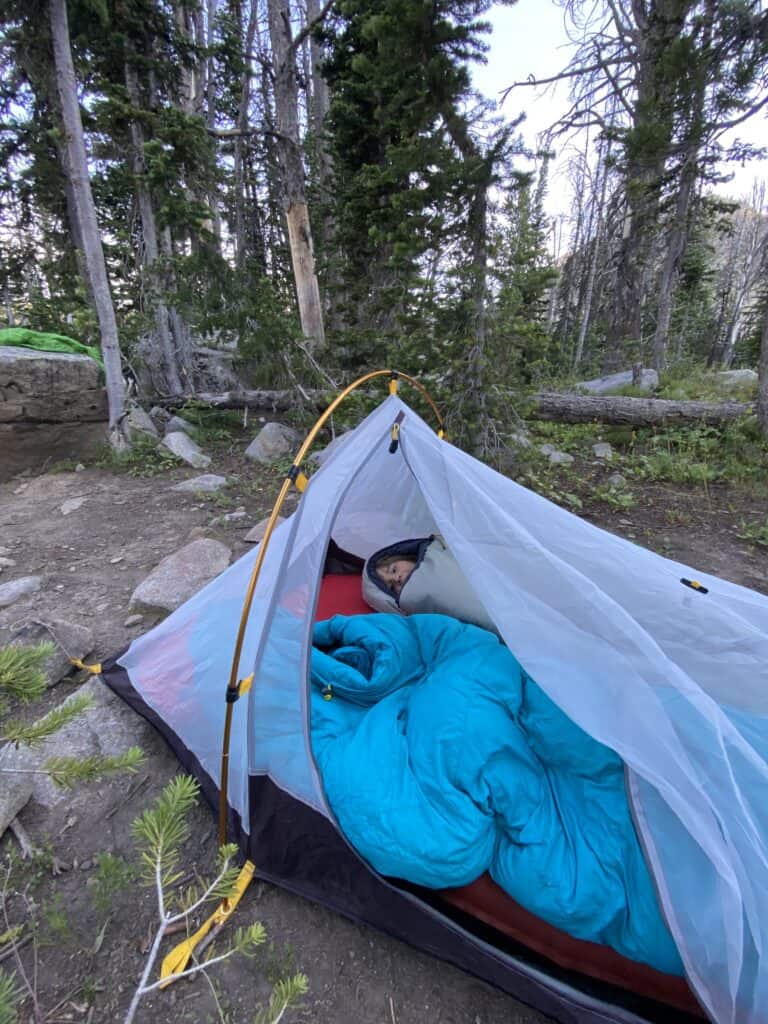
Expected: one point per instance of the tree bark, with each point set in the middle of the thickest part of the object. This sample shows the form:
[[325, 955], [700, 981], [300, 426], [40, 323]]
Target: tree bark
[[170, 370], [762, 387], [635, 412], [292, 173], [86, 213]]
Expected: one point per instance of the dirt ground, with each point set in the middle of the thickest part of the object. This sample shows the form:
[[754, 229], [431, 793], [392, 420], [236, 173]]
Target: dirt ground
[[88, 961]]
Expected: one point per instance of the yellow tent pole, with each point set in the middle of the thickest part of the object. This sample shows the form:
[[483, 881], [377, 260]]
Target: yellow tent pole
[[233, 687], [176, 961]]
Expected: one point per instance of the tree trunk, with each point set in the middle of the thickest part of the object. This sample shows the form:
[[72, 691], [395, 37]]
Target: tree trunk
[[292, 173], [241, 244], [171, 382], [762, 387], [86, 213], [636, 412], [674, 251]]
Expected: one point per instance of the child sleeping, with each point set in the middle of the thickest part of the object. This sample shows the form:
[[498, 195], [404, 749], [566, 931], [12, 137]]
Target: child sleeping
[[421, 576]]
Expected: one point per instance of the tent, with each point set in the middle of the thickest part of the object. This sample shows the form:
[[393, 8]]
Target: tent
[[667, 666]]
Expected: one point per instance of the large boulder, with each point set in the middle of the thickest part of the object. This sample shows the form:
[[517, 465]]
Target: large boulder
[[274, 441], [180, 575], [53, 406], [736, 378]]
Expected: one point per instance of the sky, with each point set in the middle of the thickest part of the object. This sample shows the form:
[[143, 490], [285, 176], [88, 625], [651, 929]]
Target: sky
[[530, 39]]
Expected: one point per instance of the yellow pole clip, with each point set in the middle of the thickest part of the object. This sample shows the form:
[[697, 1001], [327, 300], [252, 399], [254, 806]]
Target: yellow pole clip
[[297, 477], [393, 381], [441, 434]]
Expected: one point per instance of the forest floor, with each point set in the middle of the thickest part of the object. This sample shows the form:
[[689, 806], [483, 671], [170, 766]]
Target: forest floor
[[93, 930]]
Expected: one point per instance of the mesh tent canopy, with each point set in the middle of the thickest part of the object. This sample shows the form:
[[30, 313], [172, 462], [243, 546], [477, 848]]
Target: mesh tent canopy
[[674, 679]]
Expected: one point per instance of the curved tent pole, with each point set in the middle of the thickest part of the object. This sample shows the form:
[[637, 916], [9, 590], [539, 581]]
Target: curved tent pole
[[295, 476], [177, 959]]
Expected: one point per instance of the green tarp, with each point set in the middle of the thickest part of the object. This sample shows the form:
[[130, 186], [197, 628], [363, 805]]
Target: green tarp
[[24, 338]]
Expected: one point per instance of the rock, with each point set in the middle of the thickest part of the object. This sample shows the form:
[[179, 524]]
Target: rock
[[108, 727], [4, 550], [177, 423], [208, 483], [54, 406], [519, 438], [79, 468], [233, 517], [557, 458], [321, 456], [69, 639], [7, 563], [602, 450], [186, 449], [159, 417], [649, 380], [140, 425], [616, 480], [72, 505], [256, 533], [180, 575], [274, 441], [728, 378], [15, 793], [14, 589], [133, 620]]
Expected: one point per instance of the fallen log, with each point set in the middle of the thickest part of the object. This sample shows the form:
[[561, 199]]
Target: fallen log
[[634, 412], [260, 400]]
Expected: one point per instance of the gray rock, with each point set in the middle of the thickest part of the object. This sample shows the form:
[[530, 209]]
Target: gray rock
[[736, 377], [14, 589], [133, 620], [649, 379], [15, 792], [616, 480], [208, 483], [69, 639], [7, 563], [274, 441], [159, 417], [108, 727], [602, 450], [176, 423], [186, 449], [50, 387], [557, 458], [324, 454], [140, 425], [256, 533], [519, 438], [72, 505], [180, 575]]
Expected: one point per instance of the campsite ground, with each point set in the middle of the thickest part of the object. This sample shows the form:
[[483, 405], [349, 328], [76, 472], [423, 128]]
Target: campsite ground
[[89, 957]]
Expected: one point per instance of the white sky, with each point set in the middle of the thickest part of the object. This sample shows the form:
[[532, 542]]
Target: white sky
[[530, 39]]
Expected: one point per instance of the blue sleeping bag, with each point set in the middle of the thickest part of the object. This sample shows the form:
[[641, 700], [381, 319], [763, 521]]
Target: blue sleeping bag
[[441, 759]]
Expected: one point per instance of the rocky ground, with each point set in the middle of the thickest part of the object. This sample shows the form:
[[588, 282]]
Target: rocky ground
[[92, 536]]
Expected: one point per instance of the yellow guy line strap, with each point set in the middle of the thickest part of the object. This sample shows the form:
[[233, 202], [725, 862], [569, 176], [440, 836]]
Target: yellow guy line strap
[[178, 958], [95, 670]]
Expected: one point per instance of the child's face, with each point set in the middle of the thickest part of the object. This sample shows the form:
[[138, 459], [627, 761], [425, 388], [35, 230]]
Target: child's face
[[395, 574]]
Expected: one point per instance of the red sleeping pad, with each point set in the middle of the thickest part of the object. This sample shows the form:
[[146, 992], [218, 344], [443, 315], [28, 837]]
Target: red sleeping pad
[[487, 902]]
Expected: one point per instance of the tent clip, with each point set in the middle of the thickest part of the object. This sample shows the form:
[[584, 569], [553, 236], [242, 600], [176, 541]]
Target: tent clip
[[297, 478], [327, 692], [695, 585], [235, 692]]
